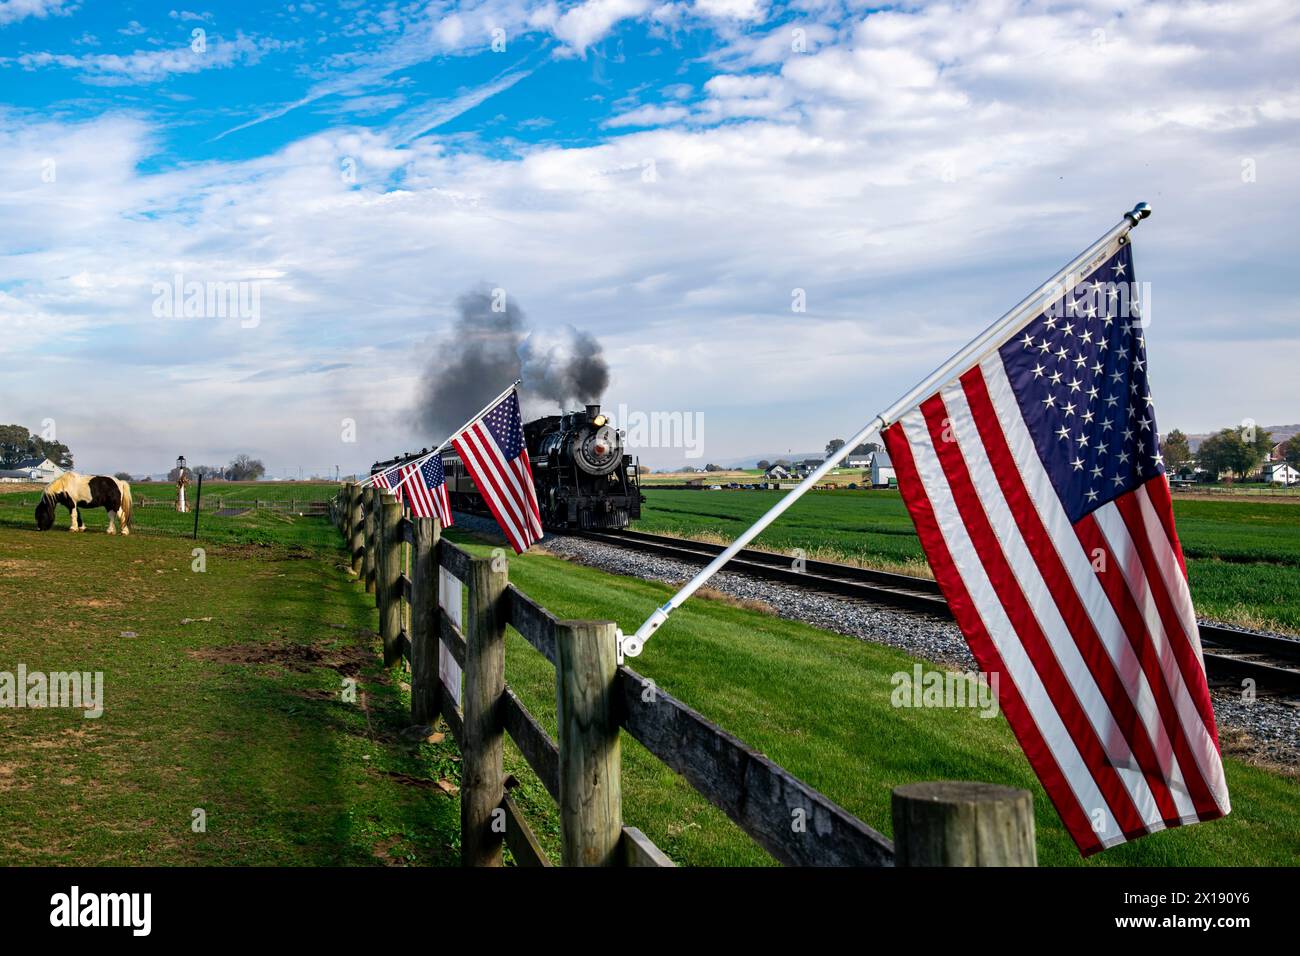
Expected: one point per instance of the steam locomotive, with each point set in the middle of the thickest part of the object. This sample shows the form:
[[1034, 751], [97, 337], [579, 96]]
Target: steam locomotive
[[582, 475]]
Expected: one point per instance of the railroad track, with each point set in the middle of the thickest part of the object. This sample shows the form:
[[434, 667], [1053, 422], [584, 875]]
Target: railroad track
[[1231, 655]]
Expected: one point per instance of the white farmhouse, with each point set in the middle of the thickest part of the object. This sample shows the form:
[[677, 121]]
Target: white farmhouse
[[1280, 473], [32, 469]]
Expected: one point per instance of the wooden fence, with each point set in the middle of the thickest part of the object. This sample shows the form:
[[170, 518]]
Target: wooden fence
[[218, 502], [457, 661]]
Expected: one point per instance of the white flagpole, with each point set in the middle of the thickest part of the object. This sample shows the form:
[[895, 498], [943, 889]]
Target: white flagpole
[[991, 338], [423, 458]]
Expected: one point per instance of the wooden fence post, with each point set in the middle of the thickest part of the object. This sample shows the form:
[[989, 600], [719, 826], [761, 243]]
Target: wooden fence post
[[482, 774], [389, 587], [425, 684], [591, 789], [958, 823], [372, 536], [356, 533]]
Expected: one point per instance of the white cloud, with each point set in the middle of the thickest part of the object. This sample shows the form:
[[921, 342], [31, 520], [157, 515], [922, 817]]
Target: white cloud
[[649, 116], [731, 9], [591, 21], [746, 95], [11, 11], [152, 66]]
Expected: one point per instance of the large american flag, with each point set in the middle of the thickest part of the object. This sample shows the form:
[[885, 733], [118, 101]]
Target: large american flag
[[1038, 491], [496, 457], [428, 490]]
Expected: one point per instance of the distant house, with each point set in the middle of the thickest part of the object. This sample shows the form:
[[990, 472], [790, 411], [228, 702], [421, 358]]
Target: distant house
[[776, 473], [882, 470], [858, 461], [32, 469], [1280, 473]]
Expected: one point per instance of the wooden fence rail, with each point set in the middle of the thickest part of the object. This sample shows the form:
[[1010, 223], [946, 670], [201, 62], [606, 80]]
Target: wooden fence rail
[[446, 613]]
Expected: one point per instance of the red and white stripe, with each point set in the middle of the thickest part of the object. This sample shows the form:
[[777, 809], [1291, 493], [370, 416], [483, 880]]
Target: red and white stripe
[[1089, 626], [427, 502], [506, 486]]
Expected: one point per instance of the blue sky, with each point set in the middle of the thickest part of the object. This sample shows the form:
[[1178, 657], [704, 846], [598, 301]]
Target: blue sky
[[663, 174]]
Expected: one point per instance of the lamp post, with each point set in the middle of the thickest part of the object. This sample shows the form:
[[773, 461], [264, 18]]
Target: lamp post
[[182, 479]]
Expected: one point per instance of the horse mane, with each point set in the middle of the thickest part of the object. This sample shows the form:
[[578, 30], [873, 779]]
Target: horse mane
[[60, 483]]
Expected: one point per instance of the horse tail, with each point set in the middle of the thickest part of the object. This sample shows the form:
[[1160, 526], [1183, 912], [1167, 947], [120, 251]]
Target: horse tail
[[126, 504]]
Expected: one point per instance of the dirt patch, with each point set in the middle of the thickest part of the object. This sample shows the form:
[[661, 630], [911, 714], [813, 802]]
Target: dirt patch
[[96, 602], [10, 568], [1235, 742], [1263, 498], [241, 550], [748, 604], [331, 696], [303, 658], [424, 783]]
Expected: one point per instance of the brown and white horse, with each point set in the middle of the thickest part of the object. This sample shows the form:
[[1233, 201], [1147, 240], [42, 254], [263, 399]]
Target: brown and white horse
[[75, 491]]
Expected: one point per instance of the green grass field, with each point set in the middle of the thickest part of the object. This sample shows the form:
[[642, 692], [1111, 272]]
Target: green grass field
[[241, 715], [223, 691], [264, 526], [1243, 557]]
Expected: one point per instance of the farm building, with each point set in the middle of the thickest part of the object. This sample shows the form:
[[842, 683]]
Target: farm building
[[882, 470], [1280, 473], [858, 461], [32, 469], [776, 472]]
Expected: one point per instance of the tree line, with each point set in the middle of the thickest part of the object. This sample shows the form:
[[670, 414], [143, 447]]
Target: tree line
[[17, 443], [1229, 451]]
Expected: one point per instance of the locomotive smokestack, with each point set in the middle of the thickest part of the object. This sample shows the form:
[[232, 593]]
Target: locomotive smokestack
[[593, 411]]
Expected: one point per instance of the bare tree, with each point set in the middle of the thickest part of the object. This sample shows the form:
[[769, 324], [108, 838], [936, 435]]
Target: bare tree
[[244, 468]]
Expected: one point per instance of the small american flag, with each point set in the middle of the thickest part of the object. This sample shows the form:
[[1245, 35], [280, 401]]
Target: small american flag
[[428, 495], [496, 457], [388, 479], [1038, 491]]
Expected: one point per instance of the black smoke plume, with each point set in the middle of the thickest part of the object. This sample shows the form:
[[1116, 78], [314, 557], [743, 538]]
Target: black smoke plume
[[488, 347]]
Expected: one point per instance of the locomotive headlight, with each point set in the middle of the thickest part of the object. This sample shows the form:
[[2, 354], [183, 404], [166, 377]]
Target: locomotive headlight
[[599, 421]]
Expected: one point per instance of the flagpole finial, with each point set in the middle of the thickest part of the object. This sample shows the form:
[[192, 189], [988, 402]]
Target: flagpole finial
[[1139, 212]]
